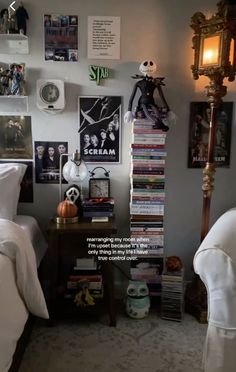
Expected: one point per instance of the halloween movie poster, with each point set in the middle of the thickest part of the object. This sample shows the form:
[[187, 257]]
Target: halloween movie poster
[[199, 132], [100, 128], [61, 37]]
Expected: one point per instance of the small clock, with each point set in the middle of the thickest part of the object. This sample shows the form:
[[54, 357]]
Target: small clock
[[99, 188]]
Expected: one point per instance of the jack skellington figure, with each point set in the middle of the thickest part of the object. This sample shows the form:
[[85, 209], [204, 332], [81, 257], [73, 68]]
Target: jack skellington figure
[[147, 107]]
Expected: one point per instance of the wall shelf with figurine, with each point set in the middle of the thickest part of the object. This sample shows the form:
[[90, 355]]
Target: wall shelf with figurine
[[14, 44], [13, 103]]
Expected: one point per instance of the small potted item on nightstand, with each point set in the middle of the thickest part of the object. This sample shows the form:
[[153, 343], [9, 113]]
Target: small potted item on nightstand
[[69, 209]]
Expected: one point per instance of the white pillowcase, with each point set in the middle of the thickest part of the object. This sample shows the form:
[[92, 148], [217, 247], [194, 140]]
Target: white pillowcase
[[11, 175]]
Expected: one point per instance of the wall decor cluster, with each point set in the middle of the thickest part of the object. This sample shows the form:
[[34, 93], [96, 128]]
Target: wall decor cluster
[[199, 134], [61, 37], [100, 128]]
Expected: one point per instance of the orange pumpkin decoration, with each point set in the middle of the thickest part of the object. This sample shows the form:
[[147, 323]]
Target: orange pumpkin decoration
[[67, 209], [174, 263]]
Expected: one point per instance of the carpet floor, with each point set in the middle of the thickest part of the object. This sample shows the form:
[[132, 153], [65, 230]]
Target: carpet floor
[[148, 345]]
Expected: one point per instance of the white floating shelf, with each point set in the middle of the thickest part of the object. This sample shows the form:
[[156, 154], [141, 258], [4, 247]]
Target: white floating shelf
[[14, 44], [13, 104]]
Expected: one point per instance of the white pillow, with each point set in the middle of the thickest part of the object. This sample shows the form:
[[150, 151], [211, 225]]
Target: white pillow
[[11, 175]]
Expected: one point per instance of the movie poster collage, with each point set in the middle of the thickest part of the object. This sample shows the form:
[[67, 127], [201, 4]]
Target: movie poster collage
[[16, 145], [99, 119]]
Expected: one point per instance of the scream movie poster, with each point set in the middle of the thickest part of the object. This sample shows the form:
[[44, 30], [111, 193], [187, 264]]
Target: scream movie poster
[[100, 128]]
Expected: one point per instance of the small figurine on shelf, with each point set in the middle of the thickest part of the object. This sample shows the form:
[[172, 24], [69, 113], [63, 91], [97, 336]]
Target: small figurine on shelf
[[5, 24], [21, 18], [17, 76], [5, 81], [147, 107], [83, 296]]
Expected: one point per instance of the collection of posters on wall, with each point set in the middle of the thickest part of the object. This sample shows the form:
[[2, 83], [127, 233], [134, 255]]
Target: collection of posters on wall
[[99, 129]]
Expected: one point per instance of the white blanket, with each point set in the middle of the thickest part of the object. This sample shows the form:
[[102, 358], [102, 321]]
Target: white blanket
[[15, 244]]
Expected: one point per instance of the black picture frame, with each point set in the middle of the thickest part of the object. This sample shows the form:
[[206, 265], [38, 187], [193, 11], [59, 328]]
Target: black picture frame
[[101, 192], [199, 134], [100, 128]]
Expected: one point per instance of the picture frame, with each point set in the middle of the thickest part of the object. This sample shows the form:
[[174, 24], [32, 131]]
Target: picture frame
[[199, 132], [15, 137], [99, 188], [100, 128]]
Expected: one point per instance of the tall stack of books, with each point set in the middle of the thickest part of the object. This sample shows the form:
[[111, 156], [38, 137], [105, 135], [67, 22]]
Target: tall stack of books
[[86, 269], [172, 299], [98, 207], [147, 195]]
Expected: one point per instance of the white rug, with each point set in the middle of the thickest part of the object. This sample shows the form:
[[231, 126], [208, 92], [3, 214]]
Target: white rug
[[148, 345]]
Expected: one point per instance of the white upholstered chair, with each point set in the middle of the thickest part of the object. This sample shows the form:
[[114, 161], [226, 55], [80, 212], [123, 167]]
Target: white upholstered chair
[[215, 263]]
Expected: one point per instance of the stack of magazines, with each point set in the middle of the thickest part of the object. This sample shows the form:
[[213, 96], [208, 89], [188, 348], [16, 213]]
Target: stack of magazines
[[172, 298]]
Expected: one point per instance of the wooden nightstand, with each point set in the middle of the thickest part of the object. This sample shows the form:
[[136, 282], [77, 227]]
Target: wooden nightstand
[[66, 243]]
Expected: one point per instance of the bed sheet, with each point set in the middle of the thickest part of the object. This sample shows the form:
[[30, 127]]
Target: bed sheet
[[13, 313], [19, 287], [31, 227]]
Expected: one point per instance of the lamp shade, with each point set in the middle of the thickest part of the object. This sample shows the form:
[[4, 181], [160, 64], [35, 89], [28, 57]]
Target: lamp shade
[[214, 42], [75, 171]]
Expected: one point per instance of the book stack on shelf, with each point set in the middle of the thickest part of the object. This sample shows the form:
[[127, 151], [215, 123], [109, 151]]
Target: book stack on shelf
[[147, 198], [148, 270], [86, 272], [98, 208], [172, 299]]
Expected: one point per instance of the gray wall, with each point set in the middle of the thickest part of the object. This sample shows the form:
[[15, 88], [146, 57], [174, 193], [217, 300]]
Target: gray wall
[[154, 29]]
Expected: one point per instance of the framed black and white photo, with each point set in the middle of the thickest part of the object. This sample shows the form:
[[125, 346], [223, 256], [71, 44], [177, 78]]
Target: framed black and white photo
[[100, 128], [199, 133]]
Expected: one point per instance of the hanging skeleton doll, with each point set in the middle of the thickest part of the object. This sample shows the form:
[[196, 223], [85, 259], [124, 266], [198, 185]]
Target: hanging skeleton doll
[[147, 107]]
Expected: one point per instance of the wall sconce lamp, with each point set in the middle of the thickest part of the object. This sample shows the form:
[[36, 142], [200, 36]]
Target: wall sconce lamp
[[74, 170], [215, 57]]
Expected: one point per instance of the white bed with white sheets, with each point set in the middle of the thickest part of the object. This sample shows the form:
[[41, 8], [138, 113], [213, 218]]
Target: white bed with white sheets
[[22, 246]]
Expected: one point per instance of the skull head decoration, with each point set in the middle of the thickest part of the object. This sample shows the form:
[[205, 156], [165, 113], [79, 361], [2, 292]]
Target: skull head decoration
[[73, 194], [148, 68]]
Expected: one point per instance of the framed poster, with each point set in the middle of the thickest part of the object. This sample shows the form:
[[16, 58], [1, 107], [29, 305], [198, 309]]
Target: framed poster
[[199, 133], [103, 37], [100, 128], [47, 161], [15, 137], [61, 38]]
